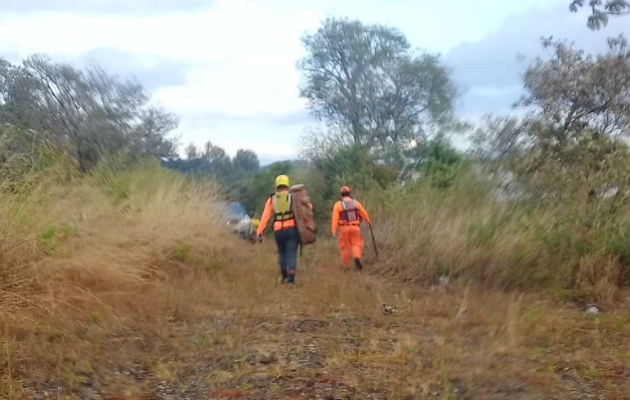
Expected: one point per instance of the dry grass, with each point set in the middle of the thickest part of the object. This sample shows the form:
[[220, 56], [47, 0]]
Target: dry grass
[[82, 264], [464, 233], [142, 296]]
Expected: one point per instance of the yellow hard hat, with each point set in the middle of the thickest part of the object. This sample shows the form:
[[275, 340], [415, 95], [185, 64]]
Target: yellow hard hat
[[282, 180]]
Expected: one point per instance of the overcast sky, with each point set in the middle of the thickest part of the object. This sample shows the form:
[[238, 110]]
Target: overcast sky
[[227, 67]]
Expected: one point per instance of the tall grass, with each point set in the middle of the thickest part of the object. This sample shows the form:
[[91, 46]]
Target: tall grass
[[120, 282], [85, 258], [576, 249]]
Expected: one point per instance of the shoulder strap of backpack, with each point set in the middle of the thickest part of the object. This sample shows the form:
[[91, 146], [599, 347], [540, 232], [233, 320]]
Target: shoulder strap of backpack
[[343, 204]]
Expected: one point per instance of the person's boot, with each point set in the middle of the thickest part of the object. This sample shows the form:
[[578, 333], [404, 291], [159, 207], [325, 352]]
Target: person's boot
[[357, 263], [291, 279], [285, 276]]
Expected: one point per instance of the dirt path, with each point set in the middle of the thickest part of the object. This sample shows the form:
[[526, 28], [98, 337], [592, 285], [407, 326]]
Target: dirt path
[[347, 335]]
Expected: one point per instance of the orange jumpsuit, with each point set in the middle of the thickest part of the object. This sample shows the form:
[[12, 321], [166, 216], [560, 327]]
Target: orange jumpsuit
[[350, 240]]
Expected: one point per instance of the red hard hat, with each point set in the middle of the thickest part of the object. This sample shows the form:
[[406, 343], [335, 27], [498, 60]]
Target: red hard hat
[[344, 189]]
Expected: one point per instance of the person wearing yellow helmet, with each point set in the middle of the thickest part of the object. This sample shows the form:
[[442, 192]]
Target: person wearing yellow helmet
[[255, 223], [282, 181], [278, 207]]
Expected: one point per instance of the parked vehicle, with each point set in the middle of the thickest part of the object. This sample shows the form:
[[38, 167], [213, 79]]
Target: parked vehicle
[[238, 219]]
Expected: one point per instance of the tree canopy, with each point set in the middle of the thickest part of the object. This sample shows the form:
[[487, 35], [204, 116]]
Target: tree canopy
[[574, 92], [601, 10], [574, 139], [367, 83], [87, 112]]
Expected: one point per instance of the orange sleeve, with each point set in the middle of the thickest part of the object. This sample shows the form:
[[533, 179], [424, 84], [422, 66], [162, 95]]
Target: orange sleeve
[[362, 213], [335, 217], [266, 216]]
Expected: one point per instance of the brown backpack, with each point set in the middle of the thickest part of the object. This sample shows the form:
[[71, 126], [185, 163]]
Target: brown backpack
[[303, 213]]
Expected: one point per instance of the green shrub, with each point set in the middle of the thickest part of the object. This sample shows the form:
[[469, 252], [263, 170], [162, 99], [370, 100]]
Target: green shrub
[[464, 230]]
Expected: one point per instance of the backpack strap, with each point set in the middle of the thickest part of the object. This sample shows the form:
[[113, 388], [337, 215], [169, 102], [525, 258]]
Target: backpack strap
[[276, 214], [346, 210], [343, 204]]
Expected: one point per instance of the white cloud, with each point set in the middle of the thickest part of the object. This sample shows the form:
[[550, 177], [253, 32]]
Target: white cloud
[[99, 6], [236, 58], [489, 70], [269, 140]]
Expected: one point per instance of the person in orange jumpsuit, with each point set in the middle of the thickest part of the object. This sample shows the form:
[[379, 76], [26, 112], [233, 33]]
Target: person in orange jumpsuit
[[347, 215]]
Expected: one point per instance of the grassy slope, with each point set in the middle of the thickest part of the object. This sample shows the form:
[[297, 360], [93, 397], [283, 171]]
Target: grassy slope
[[134, 292], [575, 251]]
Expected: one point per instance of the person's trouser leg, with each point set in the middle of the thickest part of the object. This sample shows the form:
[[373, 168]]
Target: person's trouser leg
[[292, 242], [344, 245], [282, 252], [356, 242]]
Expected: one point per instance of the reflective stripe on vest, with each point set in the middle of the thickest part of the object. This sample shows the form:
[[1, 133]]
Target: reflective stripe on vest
[[282, 206], [349, 213]]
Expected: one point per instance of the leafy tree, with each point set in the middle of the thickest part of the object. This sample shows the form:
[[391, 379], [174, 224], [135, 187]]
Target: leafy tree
[[573, 143], [570, 96], [335, 160], [150, 138], [256, 188], [192, 152], [575, 93], [367, 84], [87, 112], [440, 161], [348, 165], [601, 10], [240, 177], [212, 161], [219, 162], [246, 160]]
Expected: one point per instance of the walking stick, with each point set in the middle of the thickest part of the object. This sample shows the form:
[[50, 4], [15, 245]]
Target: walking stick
[[373, 240]]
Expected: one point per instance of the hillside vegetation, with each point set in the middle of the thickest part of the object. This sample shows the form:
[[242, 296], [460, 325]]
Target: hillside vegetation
[[503, 270], [469, 232], [122, 284], [86, 257]]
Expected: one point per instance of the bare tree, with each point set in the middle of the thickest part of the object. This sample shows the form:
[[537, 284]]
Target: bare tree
[[192, 152]]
